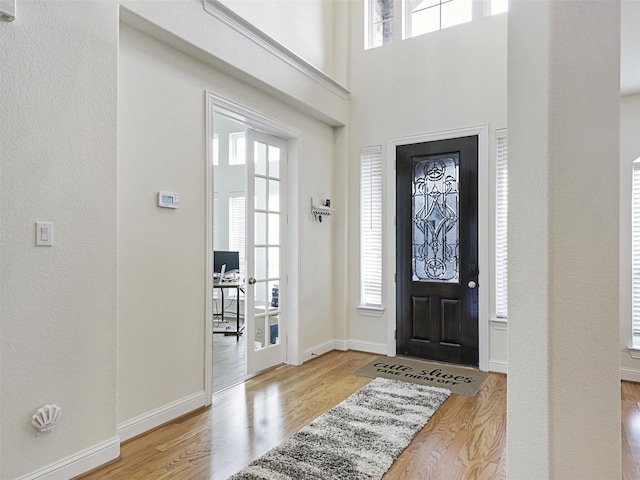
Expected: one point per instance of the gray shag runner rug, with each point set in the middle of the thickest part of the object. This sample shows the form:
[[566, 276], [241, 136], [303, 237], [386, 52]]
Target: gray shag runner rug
[[357, 439]]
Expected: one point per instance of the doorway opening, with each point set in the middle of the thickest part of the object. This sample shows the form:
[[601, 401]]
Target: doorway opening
[[251, 244], [229, 252]]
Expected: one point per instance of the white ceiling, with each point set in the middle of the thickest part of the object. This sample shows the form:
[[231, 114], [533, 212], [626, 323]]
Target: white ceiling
[[630, 48]]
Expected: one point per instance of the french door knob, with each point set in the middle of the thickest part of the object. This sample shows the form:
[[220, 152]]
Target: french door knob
[[252, 281], [472, 284]]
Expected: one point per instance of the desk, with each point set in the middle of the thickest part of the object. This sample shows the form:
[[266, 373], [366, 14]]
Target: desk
[[239, 286]]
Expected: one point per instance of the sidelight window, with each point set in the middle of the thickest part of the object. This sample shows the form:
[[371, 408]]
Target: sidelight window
[[371, 226], [635, 212], [502, 189]]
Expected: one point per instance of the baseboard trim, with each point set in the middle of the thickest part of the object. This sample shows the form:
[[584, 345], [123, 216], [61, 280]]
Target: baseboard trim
[[630, 375], [498, 367], [343, 345], [319, 349], [154, 418], [369, 347], [79, 463]]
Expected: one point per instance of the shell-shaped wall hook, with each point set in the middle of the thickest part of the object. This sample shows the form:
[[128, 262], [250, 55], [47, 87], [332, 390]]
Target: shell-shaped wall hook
[[45, 418]]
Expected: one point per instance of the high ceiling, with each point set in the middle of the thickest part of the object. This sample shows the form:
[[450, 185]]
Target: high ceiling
[[630, 48]]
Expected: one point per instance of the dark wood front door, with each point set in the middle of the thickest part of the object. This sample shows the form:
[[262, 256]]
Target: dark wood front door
[[437, 250]]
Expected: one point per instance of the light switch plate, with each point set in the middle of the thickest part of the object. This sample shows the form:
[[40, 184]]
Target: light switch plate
[[44, 234]]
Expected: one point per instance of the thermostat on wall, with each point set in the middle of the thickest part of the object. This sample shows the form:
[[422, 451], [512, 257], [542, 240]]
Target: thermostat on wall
[[167, 200]]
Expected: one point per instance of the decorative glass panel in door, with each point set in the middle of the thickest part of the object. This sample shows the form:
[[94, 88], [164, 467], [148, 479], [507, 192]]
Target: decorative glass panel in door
[[266, 290], [435, 212]]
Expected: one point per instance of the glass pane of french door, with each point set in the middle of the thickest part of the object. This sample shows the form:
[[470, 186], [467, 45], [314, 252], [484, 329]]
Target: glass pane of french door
[[266, 162]]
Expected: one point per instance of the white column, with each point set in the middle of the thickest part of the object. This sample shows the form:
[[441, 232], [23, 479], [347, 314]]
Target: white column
[[563, 419]]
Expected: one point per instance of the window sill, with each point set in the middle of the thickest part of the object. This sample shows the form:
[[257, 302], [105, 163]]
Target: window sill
[[368, 311], [499, 323], [634, 352]]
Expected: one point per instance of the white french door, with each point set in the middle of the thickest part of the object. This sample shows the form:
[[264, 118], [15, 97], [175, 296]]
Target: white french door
[[266, 289]]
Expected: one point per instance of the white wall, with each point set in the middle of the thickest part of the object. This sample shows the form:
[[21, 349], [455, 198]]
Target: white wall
[[444, 80], [161, 295], [58, 304], [162, 252], [629, 151], [305, 27]]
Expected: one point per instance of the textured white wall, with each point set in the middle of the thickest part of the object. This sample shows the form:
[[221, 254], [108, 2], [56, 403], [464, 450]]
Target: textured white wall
[[563, 412], [58, 304], [161, 295], [449, 79]]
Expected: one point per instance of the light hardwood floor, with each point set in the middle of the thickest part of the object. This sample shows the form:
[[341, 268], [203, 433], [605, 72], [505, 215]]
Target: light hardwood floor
[[228, 360], [464, 440]]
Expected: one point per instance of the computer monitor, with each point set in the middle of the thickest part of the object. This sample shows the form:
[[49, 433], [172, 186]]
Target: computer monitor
[[231, 261]]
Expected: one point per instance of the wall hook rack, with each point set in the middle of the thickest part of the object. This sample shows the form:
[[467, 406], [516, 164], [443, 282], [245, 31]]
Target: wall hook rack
[[321, 208]]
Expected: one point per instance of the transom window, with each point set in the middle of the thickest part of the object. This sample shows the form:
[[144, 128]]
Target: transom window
[[499, 6], [378, 23], [424, 16]]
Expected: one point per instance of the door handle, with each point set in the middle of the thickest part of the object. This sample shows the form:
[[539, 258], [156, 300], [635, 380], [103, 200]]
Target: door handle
[[252, 281], [472, 284]]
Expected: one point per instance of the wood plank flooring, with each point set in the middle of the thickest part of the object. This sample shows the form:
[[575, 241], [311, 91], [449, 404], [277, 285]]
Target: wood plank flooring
[[464, 440], [228, 359]]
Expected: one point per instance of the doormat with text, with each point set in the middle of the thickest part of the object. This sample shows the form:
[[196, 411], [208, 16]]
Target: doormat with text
[[460, 380]]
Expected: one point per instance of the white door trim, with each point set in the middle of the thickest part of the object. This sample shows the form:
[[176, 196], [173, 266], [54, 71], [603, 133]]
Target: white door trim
[[294, 137], [389, 186]]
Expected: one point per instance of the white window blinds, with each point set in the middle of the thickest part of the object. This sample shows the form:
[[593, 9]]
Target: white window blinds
[[216, 221], [371, 226], [502, 188], [237, 226], [636, 252]]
